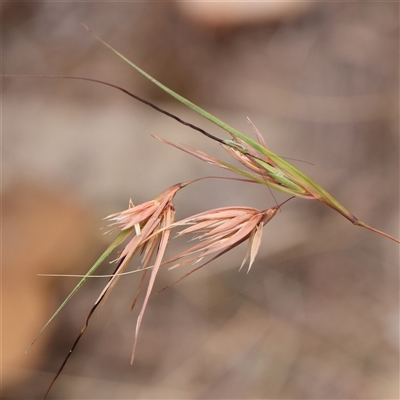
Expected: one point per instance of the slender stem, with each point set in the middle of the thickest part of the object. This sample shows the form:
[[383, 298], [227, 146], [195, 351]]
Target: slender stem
[[370, 228], [135, 96]]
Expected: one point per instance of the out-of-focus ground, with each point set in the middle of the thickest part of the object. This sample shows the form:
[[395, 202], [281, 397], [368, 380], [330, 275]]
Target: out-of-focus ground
[[317, 317]]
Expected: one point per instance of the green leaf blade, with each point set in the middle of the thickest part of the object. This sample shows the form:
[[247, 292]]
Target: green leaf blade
[[118, 240]]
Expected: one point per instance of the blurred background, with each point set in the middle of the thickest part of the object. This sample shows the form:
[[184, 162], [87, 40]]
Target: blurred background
[[317, 317]]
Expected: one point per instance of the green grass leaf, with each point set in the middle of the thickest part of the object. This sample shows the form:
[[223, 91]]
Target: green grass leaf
[[118, 240]]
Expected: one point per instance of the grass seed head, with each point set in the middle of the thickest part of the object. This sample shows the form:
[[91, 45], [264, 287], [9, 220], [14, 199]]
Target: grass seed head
[[222, 229]]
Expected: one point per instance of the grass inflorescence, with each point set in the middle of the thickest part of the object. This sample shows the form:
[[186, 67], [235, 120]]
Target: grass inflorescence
[[146, 228]]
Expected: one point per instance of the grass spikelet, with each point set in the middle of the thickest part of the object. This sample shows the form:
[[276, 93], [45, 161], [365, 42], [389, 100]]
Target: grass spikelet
[[287, 175], [149, 222]]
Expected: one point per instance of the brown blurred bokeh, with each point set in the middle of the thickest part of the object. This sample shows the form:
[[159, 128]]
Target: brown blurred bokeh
[[317, 317]]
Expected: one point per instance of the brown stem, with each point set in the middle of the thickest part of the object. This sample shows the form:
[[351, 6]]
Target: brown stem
[[370, 228], [85, 326]]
